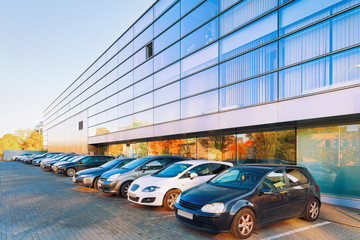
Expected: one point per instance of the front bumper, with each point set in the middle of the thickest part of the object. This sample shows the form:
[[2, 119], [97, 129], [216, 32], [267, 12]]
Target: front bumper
[[215, 223], [83, 181], [146, 198], [108, 187]]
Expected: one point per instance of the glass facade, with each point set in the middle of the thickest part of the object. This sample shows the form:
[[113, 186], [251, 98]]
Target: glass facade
[[214, 56]]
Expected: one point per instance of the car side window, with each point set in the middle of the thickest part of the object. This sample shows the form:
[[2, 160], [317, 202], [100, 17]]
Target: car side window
[[87, 160], [201, 170], [274, 180], [218, 168], [295, 177], [155, 164], [100, 160]]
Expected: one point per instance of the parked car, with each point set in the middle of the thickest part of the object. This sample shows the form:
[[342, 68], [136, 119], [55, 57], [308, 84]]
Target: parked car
[[70, 168], [16, 158], [246, 197], [163, 187], [47, 164], [118, 180], [37, 161], [90, 177]]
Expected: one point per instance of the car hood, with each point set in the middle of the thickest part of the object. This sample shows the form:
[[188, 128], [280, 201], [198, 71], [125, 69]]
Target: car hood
[[62, 163], [114, 171], [206, 193], [153, 181], [95, 171]]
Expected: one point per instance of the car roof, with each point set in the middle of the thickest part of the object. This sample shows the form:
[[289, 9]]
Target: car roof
[[268, 166], [202, 161], [169, 156]]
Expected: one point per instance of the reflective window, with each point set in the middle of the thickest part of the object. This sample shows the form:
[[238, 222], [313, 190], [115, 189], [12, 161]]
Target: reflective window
[[167, 38], [250, 92], [224, 4], [199, 105], [141, 149], [161, 6], [274, 181], [167, 94], [167, 19], [276, 147], [143, 102], [183, 147], [144, 70], [251, 36], [334, 166], [125, 67], [143, 119], [219, 148], [125, 123], [143, 86], [167, 75], [295, 177], [126, 80], [201, 170], [126, 52], [199, 16], [199, 38], [247, 65], [200, 82], [126, 38], [125, 95], [126, 108], [144, 38], [187, 5], [140, 57], [199, 60], [158, 148], [166, 57], [301, 13], [143, 22], [244, 12], [166, 113], [335, 71]]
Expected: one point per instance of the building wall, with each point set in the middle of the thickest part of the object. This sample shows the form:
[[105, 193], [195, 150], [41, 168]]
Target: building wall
[[66, 136]]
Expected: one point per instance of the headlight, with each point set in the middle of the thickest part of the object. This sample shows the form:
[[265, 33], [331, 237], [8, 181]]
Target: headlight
[[216, 207], [178, 198], [113, 177], [84, 176], [150, 189]]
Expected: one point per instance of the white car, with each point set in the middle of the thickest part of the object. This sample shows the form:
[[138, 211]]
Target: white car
[[163, 187]]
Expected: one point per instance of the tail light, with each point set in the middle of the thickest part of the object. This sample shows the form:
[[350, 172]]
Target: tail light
[[318, 187]]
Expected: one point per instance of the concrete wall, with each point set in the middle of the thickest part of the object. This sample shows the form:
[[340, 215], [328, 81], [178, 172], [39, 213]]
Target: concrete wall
[[8, 154]]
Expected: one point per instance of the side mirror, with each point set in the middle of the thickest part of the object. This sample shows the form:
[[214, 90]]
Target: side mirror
[[193, 175], [266, 191], [144, 168], [80, 162]]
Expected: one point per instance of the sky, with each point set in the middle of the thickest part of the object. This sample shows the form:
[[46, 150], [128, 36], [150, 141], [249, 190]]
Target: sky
[[45, 45]]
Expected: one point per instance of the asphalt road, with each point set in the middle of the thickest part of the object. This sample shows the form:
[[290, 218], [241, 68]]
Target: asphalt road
[[40, 205]]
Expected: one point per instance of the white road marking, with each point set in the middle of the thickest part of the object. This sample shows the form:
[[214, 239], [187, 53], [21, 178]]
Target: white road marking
[[296, 231]]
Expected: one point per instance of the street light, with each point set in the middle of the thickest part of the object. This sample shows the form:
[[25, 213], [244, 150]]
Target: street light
[[347, 73]]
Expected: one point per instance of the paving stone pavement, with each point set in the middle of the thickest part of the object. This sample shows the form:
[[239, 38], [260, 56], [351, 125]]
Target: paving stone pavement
[[40, 205]]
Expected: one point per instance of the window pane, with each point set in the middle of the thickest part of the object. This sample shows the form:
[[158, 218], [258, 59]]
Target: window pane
[[199, 105], [125, 95], [167, 19], [143, 22], [143, 119], [166, 57], [126, 38], [224, 4], [250, 92], [140, 57], [219, 148], [125, 123], [200, 15], [200, 60], [166, 113], [167, 38], [143, 86], [300, 13], [167, 75], [144, 70], [144, 38], [200, 82], [125, 66], [187, 5], [161, 6], [251, 36], [183, 147], [158, 148], [250, 64], [143, 102], [126, 80], [167, 94], [199, 38], [244, 12], [126, 108]]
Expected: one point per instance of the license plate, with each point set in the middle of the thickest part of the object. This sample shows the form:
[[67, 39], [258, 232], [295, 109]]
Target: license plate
[[132, 195], [185, 214]]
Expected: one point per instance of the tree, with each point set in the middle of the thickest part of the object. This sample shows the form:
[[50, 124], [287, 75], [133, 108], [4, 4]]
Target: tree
[[22, 135], [9, 142], [34, 141]]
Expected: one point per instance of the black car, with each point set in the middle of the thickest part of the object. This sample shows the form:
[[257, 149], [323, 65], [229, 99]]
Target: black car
[[89, 177], [47, 164], [250, 196], [70, 168]]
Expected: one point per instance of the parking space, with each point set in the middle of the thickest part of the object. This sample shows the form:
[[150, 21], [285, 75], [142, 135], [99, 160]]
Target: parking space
[[40, 205]]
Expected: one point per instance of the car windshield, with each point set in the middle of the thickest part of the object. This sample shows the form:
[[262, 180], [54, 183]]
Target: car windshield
[[242, 178], [75, 159], [172, 170], [134, 164], [110, 164]]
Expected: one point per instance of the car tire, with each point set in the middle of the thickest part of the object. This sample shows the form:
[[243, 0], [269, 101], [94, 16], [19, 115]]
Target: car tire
[[312, 211], [95, 185], [170, 198], [70, 172], [124, 189], [243, 224]]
